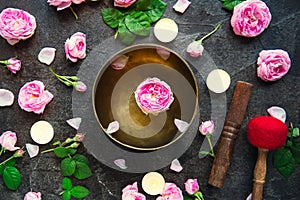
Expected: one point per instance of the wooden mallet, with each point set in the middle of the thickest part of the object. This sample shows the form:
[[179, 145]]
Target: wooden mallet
[[266, 133]]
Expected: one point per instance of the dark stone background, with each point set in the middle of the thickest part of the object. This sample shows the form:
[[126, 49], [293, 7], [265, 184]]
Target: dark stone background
[[235, 54]]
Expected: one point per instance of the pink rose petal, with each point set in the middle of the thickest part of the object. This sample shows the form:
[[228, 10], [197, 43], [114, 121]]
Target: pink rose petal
[[163, 53], [120, 62], [47, 55], [176, 166], [32, 150], [277, 112], [181, 5], [181, 125], [6, 98], [74, 122], [120, 163], [113, 127]]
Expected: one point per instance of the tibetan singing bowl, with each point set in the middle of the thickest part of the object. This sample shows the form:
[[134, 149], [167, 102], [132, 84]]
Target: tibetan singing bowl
[[114, 97]]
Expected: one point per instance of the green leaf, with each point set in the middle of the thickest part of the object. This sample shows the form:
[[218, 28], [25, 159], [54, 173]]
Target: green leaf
[[66, 184], [187, 198], [296, 151], [68, 166], [138, 23], [81, 158], [11, 162], [66, 195], [295, 132], [112, 17], [156, 10], [82, 171], [12, 177], [284, 162], [142, 5], [125, 35], [230, 4], [63, 152], [79, 192]]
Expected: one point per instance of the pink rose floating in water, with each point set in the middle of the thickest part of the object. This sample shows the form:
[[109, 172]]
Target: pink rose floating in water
[[250, 18], [153, 96], [273, 64], [75, 47], [16, 25], [33, 97], [123, 3]]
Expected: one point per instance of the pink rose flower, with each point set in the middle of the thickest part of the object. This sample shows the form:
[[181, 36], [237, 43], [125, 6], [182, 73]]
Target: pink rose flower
[[195, 49], [61, 4], [250, 18], [75, 47], [8, 140], [33, 196], [130, 192], [153, 96], [207, 127], [171, 192], [273, 64], [16, 25], [123, 3], [191, 186], [33, 97], [14, 65]]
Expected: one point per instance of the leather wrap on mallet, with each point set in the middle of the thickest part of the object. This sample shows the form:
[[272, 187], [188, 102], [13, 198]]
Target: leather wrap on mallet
[[233, 122]]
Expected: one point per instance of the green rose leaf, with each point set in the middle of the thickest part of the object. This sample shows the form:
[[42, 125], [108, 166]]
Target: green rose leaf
[[142, 5], [63, 152], [80, 192], [230, 4], [284, 162], [296, 151], [12, 177], [82, 171], [11, 163], [295, 132], [156, 10], [68, 166], [138, 23], [81, 158], [67, 184], [187, 198], [125, 35], [66, 195], [112, 17]]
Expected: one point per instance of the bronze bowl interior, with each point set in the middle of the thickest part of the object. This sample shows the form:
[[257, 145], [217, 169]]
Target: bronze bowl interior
[[113, 97]]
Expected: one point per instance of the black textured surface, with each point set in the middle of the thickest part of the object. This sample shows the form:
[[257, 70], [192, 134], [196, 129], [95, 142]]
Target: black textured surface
[[235, 54]]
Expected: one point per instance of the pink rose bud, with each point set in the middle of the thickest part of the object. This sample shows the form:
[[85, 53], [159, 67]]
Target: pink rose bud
[[123, 3], [19, 153], [75, 47], [14, 65], [61, 4], [207, 127], [33, 196], [195, 49], [33, 97], [273, 64], [79, 137], [171, 191], [8, 140], [250, 18], [80, 86], [74, 145], [16, 25], [191, 186]]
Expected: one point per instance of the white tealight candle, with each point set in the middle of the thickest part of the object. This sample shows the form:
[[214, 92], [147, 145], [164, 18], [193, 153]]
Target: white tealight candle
[[218, 81], [153, 183], [165, 30], [42, 132]]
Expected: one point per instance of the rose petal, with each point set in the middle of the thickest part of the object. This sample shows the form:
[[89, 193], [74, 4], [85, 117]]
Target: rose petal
[[32, 150], [120, 62], [176, 166], [249, 197], [6, 97], [120, 163], [74, 122], [113, 127], [163, 53], [277, 112], [181, 125], [47, 55], [181, 5]]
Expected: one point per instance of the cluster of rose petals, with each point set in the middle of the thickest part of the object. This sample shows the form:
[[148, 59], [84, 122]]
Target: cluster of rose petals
[[130, 192], [153, 96], [191, 186], [171, 192], [16, 25], [123, 3], [75, 47], [33, 196], [8, 140], [62, 4], [273, 64], [14, 65], [33, 97], [195, 49], [181, 5], [250, 18], [207, 127]]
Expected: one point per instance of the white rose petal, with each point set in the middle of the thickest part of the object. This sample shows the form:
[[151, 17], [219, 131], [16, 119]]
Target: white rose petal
[[181, 125], [74, 122], [120, 163], [277, 112], [47, 55], [32, 150], [113, 127], [6, 98], [249, 197], [181, 5], [176, 166]]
